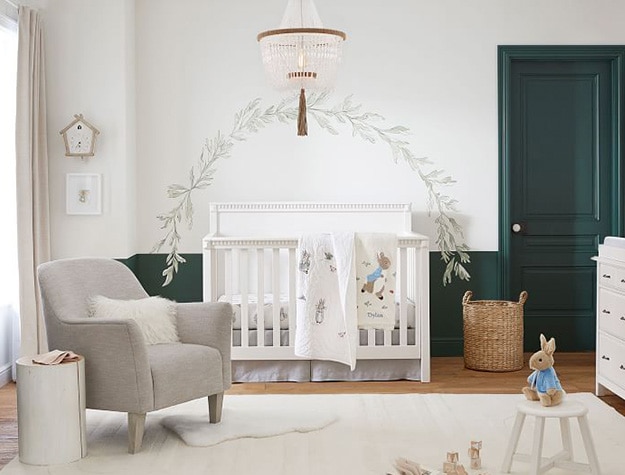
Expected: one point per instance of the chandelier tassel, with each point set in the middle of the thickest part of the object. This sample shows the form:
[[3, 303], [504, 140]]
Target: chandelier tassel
[[302, 123]]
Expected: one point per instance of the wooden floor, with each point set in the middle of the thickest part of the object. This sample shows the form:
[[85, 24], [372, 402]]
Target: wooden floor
[[575, 370]]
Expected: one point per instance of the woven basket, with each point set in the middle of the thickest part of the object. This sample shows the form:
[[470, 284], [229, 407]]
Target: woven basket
[[493, 333]]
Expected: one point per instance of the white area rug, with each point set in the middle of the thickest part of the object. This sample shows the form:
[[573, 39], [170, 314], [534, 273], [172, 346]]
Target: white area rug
[[370, 433], [247, 422]]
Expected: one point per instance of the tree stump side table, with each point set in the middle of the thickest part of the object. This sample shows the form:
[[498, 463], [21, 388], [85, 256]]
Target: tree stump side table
[[51, 412]]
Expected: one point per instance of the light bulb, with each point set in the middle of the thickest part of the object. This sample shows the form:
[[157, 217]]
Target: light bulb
[[301, 60]]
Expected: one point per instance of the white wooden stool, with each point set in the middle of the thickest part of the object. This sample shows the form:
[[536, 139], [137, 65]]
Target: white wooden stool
[[563, 459]]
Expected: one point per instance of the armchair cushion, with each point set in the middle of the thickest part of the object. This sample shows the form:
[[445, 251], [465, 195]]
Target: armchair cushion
[[155, 316]]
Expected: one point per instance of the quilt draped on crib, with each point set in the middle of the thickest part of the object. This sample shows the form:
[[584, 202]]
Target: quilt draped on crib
[[376, 270], [345, 281], [326, 309]]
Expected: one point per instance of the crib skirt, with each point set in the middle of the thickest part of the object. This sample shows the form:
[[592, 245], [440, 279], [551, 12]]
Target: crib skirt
[[256, 371]]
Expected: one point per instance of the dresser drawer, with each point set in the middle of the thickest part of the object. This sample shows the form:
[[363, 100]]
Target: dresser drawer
[[611, 355], [611, 313], [611, 276]]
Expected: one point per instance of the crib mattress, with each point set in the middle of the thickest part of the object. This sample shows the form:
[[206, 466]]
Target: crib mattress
[[235, 300]]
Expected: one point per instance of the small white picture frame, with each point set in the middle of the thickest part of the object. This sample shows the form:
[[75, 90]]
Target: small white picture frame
[[83, 193]]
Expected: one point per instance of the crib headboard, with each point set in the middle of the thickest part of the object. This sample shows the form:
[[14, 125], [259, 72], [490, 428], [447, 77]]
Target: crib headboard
[[291, 219]]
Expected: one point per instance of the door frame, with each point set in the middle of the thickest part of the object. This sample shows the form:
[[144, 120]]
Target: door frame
[[505, 56]]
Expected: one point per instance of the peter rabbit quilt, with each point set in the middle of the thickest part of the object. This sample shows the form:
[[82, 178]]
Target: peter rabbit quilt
[[326, 298], [376, 271]]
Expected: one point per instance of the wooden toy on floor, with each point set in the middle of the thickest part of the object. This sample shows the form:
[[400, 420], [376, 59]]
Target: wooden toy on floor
[[474, 454], [451, 466]]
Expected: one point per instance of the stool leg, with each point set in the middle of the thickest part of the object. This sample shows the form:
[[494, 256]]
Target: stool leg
[[535, 458], [565, 432], [588, 445], [512, 444]]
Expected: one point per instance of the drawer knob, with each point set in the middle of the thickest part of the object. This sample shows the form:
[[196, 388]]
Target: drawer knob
[[623, 318], [622, 281], [604, 357], [606, 276], [605, 311], [622, 367]]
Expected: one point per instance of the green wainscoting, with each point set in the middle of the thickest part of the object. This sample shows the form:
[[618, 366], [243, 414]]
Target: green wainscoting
[[186, 286], [445, 302]]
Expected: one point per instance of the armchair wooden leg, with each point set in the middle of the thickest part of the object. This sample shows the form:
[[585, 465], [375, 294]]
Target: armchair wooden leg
[[215, 405], [136, 424]]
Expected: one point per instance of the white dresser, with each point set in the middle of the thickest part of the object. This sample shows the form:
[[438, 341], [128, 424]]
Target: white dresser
[[610, 368]]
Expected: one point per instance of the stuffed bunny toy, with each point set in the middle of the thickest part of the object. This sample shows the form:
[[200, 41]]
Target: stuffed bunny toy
[[544, 384]]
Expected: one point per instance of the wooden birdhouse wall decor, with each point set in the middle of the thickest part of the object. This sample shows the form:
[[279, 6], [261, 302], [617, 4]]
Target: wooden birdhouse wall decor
[[79, 138]]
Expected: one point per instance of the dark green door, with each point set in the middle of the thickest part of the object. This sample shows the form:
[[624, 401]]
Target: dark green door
[[561, 128]]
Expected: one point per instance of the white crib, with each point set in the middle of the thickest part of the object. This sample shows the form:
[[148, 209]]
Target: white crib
[[250, 257]]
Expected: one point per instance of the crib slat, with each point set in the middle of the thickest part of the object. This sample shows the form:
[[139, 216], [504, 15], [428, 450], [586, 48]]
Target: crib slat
[[260, 297], [228, 274], [388, 338], [292, 295], [210, 281], [275, 289], [243, 271], [371, 337], [411, 272], [228, 278], [403, 297]]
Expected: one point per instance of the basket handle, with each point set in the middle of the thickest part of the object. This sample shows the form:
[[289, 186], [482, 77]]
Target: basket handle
[[523, 297], [467, 296]]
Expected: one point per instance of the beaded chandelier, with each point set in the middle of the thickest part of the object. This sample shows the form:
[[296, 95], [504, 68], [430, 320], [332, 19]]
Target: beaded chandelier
[[301, 54]]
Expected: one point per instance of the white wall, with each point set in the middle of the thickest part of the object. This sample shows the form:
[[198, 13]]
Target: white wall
[[430, 66], [90, 70]]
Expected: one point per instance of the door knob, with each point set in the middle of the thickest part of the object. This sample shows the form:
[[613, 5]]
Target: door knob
[[517, 228]]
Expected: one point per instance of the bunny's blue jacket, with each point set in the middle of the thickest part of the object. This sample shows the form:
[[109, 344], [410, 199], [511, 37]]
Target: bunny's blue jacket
[[545, 379]]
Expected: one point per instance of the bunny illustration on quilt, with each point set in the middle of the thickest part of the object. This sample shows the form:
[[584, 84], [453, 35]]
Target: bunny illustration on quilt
[[370, 286]]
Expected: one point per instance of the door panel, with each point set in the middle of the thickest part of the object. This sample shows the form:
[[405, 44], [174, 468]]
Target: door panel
[[558, 123], [559, 155], [572, 283]]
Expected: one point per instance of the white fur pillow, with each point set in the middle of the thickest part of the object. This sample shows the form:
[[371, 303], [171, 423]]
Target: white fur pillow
[[155, 316]]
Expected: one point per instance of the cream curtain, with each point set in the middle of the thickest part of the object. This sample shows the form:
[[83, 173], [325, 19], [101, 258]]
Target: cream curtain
[[32, 177]]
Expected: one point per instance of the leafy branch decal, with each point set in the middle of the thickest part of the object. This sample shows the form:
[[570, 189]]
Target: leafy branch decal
[[364, 125]]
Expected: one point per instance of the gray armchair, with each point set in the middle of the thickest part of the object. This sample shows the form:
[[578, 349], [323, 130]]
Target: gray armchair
[[123, 373]]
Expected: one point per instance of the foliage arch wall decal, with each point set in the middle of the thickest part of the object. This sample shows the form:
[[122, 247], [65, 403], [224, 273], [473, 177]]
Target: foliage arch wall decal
[[365, 125]]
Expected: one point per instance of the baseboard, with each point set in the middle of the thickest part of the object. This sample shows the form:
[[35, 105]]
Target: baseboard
[[5, 374]]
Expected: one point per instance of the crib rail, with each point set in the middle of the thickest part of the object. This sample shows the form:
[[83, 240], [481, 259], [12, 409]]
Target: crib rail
[[253, 272]]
